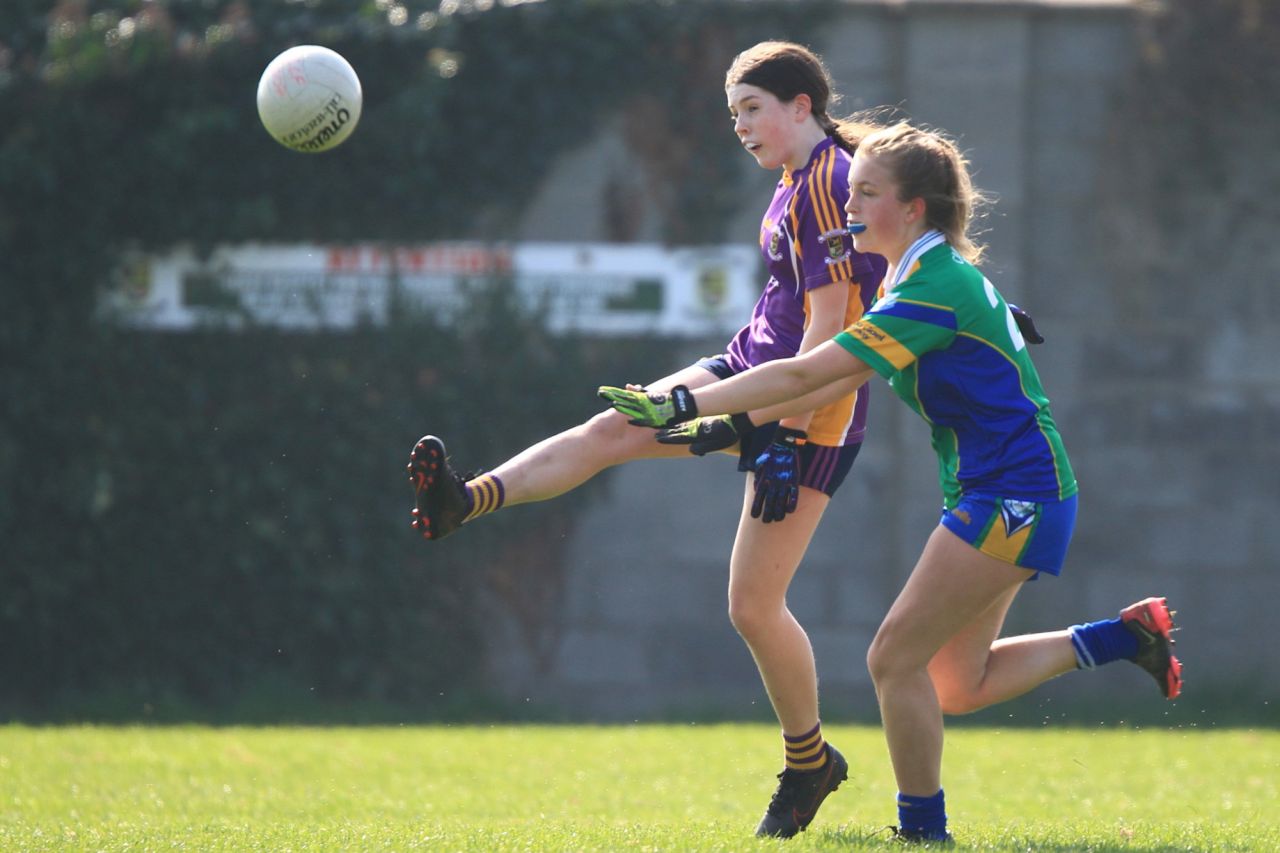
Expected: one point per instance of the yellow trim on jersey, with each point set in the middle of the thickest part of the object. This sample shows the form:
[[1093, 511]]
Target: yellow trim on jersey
[[853, 311], [797, 245], [820, 192], [826, 211], [950, 309], [831, 424], [881, 343]]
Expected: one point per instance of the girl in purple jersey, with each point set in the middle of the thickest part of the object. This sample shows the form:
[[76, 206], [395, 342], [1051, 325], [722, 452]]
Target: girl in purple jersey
[[778, 95]]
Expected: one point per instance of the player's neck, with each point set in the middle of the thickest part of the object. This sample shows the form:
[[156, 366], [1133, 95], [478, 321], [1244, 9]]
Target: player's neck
[[897, 253], [809, 136]]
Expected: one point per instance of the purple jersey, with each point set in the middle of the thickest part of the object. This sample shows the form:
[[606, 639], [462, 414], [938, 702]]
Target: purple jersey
[[806, 246]]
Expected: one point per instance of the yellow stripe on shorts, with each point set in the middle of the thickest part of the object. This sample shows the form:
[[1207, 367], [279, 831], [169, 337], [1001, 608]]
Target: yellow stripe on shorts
[[1005, 547]]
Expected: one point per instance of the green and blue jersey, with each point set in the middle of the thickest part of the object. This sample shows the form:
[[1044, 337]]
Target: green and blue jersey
[[945, 339]]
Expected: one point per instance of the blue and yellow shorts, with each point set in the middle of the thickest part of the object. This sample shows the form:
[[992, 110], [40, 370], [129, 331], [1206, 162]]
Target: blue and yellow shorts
[[1027, 534]]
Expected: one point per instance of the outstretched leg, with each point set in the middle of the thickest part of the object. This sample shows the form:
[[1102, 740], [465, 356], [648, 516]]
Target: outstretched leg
[[444, 501]]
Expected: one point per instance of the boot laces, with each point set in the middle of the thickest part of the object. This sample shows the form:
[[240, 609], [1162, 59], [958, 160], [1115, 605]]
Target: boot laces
[[790, 788]]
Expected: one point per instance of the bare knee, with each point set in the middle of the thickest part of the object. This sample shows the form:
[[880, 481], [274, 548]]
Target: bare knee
[[606, 426], [889, 657], [957, 694], [609, 435], [751, 617], [880, 661]]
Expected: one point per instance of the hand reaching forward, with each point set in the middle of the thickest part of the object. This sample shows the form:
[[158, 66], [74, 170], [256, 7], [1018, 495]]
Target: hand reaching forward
[[708, 435], [654, 410]]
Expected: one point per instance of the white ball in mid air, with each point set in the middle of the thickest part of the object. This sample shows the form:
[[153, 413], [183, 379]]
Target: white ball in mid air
[[309, 98]]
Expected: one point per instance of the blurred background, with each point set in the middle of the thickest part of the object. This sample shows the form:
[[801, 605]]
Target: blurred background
[[215, 353]]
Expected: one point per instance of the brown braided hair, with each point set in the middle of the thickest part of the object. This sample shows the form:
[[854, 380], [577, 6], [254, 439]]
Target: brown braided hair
[[786, 69]]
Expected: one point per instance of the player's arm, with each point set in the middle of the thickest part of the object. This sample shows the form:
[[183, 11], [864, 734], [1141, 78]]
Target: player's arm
[[783, 381], [809, 403], [827, 307], [760, 387]]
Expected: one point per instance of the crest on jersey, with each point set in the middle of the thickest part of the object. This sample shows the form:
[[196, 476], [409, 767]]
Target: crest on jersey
[[775, 244], [837, 245], [1017, 515]]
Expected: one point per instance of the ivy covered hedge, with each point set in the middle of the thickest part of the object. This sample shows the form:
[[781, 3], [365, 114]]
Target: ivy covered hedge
[[216, 517], [190, 521]]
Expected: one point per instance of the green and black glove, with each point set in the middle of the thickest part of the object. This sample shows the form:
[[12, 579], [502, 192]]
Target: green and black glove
[[708, 435], [651, 410]]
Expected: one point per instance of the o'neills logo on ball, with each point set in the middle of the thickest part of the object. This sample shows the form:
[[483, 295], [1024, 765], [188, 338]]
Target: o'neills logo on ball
[[324, 125]]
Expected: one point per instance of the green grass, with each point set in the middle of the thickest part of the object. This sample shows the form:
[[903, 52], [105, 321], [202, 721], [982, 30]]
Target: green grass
[[519, 788]]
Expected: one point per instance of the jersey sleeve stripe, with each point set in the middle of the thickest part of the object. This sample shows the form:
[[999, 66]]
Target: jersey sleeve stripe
[[865, 336], [827, 210], [820, 192], [842, 271], [920, 312]]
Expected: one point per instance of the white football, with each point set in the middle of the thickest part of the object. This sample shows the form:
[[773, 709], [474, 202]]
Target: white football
[[309, 98]]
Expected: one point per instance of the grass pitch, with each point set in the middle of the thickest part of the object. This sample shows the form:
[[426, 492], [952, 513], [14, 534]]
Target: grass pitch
[[649, 787]]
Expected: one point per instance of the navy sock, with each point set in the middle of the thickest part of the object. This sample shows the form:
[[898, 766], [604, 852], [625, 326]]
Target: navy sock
[[926, 816], [1102, 642]]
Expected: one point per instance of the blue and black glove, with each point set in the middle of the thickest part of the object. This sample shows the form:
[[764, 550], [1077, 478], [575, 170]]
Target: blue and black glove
[[778, 476], [708, 435]]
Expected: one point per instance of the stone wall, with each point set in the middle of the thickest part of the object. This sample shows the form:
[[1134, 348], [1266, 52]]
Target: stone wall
[[1164, 383]]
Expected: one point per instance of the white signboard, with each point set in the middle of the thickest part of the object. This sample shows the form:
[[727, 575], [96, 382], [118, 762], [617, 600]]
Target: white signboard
[[596, 288]]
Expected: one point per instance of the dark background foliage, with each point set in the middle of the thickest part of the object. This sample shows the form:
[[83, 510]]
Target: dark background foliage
[[216, 524]]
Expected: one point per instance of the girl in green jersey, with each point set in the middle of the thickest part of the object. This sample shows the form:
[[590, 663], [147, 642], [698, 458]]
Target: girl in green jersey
[[950, 347]]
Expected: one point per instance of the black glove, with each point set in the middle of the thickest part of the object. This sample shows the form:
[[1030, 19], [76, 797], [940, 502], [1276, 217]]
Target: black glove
[[708, 435], [1026, 325], [778, 476]]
